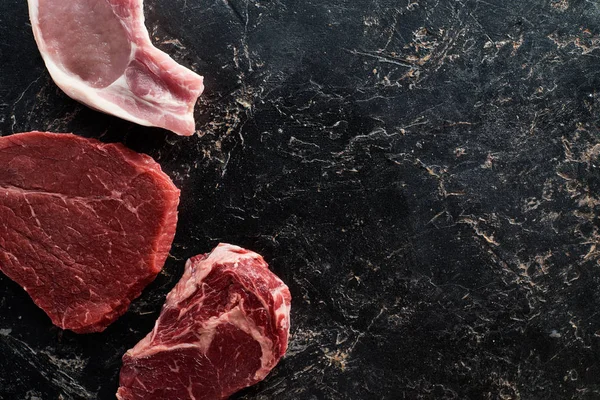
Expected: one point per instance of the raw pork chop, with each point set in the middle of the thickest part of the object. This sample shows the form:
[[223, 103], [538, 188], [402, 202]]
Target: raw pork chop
[[84, 226], [223, 327], [99, 53]]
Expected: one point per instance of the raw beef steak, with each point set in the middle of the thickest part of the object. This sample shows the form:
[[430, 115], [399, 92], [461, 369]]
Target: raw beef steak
[[84, 226], [223, 327], [99, 53]]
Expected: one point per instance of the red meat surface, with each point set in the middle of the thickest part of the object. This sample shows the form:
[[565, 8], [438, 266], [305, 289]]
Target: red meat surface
[[223, 327], [84, 226]]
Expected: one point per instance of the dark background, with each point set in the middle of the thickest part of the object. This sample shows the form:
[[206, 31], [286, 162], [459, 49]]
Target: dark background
[[424, 175]]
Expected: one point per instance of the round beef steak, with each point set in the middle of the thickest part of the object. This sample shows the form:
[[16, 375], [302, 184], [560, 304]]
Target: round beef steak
[[84, 226]]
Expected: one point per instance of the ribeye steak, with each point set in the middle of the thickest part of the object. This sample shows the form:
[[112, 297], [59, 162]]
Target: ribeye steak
[[84, 226], [99, 53], [223, 327]]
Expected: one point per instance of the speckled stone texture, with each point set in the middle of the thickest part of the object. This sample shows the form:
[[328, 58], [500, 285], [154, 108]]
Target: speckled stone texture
[[423, 174]]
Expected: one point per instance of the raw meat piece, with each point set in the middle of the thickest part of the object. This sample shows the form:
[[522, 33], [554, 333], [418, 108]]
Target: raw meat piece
[[224, 326], [99, 53], [84, 226]]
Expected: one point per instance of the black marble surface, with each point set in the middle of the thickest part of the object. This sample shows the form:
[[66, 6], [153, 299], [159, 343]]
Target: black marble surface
[[423, 174]]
